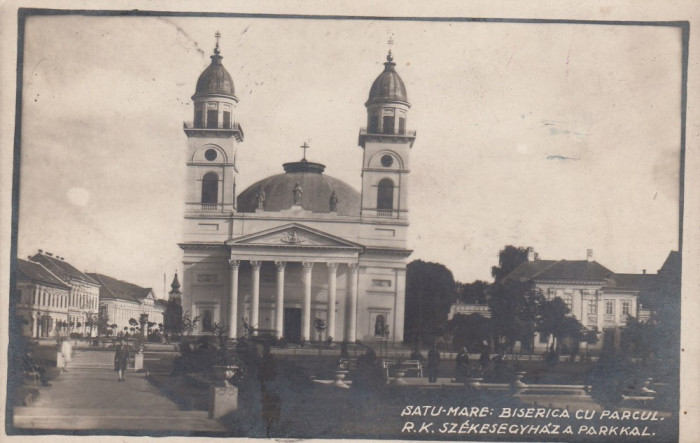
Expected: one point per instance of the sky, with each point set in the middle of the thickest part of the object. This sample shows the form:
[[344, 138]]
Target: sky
[[558, 136]]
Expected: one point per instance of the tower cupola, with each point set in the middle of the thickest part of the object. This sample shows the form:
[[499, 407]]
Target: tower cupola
[[215, 99], [388, 87], [215, 80], [387, 106]]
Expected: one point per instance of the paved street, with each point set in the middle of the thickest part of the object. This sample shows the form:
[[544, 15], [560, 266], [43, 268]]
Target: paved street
[[89, 397]]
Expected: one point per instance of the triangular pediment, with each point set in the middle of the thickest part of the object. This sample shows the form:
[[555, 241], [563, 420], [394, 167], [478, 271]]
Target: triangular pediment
[[296, 236]]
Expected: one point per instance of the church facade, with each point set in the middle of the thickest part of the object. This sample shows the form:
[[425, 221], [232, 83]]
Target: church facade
[[300, 248]]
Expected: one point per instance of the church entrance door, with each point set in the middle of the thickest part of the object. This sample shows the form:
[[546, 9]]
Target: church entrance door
[[292, 325]]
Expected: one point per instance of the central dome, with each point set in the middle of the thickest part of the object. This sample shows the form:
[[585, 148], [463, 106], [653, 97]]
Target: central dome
[[215, 80], [316, 191]]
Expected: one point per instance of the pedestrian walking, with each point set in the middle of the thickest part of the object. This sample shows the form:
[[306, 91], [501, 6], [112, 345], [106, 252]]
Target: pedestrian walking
[[433, 364], [67, 353], [462, 364], [121, 359]]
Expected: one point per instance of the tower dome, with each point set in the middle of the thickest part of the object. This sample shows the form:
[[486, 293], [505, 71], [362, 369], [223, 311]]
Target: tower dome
[[215, 80], [388, 87]]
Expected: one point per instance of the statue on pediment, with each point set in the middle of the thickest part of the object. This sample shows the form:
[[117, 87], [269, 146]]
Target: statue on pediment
[[260, 196], [297, 191], [333, 202]]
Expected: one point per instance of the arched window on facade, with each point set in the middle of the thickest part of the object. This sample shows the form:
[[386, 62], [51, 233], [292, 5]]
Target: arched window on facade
[[210, 190], [385, 196]]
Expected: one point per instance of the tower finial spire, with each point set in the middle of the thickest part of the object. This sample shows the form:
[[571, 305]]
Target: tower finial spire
[[216, 48], [390, 42]]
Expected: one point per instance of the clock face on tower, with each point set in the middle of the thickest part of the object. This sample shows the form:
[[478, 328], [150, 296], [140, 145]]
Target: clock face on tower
[[387, 161], [210, 155]]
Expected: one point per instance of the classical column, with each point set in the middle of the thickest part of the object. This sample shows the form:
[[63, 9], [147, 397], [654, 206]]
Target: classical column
[[35, 325], [233, 300], [279, 307], [255, 305], [352, 310], [332, 267], [306, 313]]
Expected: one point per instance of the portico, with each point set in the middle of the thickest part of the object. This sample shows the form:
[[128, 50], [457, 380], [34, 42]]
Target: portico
[[314, 257]]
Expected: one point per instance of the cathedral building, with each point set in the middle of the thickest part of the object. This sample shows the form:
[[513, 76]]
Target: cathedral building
[[299, 246]]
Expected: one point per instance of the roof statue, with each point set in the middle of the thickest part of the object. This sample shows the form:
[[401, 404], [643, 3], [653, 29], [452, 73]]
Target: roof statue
[[297, 191]]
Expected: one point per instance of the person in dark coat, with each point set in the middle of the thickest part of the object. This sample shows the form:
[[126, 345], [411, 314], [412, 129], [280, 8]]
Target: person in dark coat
[[433, 364], [121, 359], [462, 365]]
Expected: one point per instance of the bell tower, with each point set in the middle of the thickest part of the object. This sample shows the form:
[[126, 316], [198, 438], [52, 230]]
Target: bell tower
[[212, 138], [386, 143]]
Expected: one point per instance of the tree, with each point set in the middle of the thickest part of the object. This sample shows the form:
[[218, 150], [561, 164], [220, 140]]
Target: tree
[[551, 315], [430, 290], [91, 321], [102, 322], [134, 325], [473, 293], [172, 318], [468, 331], [508, 259], [590, 337], [554, 319], [513, 307], [189, 324]]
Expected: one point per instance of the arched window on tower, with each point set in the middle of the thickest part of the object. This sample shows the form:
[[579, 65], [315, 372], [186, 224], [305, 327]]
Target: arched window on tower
[[373, 124], [388, 124], [385, 197], [210, 190]]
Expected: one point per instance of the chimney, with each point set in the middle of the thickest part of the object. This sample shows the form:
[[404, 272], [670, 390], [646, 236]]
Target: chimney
[[589, 254], [49, 254], [644, 271], [530, 254], [41, 251]]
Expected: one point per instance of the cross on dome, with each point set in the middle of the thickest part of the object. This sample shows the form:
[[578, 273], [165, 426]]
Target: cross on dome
[[216, 48], [390, 42], [305, 146]]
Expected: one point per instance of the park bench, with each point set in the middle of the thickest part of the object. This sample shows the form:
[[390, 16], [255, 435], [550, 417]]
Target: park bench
[[406, 365], [413, 365], [348, 364], [387, 364]]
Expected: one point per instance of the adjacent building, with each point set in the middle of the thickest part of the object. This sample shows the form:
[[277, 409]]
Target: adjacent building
[[123, 301], [42, 300], [299, 245], [599, 298], [83, 298]]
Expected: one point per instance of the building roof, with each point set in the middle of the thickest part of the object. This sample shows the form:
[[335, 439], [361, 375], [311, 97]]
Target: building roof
[[633, 282], [215, 80], [119, 289], [29, 270], [316, 191], [388, 86], [61, 268], [576, 270]]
